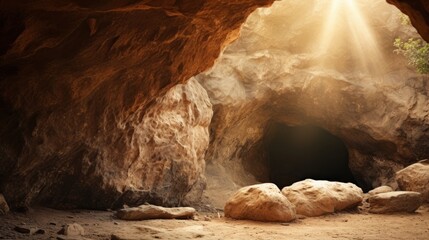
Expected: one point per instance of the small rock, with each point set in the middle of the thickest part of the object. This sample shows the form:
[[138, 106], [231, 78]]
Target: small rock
[[317, 197], [400, 201], [4, 208], [144, 212], [73, 229], [40, 231], [415, 178], [261, 202], [381, 189], [116, 223], [22, 229], [52, 223]]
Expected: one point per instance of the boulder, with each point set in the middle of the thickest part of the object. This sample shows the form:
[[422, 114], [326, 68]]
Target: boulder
[[400, 201], [145, 212], [261, 202], [381, 189], [4, 208], [415, 178], [317, 197]]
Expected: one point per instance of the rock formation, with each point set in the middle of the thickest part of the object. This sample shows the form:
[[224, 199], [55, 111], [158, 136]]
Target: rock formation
[[400, 201], [415, 178], [77, 78], [314, 198], [145, 212], [283, 71], [261, 202]]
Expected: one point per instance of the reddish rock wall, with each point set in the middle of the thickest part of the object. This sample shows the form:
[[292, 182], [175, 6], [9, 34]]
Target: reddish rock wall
[[73, 74]]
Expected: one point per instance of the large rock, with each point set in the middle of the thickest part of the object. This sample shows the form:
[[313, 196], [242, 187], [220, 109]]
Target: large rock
[[400, 201], [163, 159], [4, 207], [314, 198], [145, 212], [415, 178], [172, 139], [77, 78], [262, 202]]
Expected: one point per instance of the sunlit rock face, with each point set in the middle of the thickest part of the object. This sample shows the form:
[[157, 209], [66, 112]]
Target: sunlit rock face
[[418, 11], [76, 80], [321, 63]]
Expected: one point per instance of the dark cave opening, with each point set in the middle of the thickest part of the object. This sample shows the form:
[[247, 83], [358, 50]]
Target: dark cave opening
[[296, 153]]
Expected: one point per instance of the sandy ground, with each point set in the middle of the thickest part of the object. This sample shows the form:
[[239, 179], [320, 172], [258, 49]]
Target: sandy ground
[[102, 225]]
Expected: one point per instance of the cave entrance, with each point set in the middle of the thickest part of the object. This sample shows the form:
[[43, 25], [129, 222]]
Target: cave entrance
[[296, 153]]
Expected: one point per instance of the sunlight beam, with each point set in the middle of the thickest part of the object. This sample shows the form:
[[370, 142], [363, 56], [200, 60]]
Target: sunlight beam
[[345, 24]]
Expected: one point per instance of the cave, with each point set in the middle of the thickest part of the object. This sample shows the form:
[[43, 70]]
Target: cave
[[299, 152], [119, 104]]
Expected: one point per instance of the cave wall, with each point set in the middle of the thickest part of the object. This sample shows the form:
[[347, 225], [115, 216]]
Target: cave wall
[[380, 111], [418, 11], [75, 74]]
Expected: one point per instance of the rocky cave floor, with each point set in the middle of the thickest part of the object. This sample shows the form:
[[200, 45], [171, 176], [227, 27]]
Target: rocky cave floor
[[212, 225]]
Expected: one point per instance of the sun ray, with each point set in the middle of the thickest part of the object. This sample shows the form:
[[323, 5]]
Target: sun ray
[[345, 24]]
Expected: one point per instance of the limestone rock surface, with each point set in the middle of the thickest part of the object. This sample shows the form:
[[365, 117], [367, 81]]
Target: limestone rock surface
[[280, 72], [415, 178], [145, 212], [399, 201], [262, 202], [4, 207], [77, 78], [314, 198], [161, 159], [172, 139]]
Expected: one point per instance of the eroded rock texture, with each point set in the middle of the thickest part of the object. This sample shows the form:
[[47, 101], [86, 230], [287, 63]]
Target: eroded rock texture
[[415, 178], [77, 78], [314, 198], [400, 201], [291, 67], [418, 11], [145, 212], [262, 202]]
